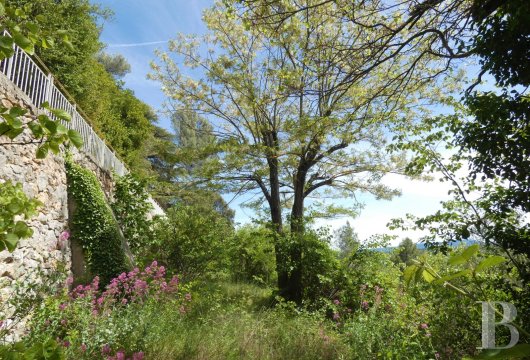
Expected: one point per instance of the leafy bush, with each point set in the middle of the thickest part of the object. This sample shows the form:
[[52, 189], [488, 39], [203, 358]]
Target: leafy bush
[[94, 225], [321, 270], [192, 241], [253, 255]]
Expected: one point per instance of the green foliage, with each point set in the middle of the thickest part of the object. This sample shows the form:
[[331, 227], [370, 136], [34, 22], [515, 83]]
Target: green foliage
[[192, 241], [468, 276], [14, 206], [253, 255], [49, 134], [116, 64], [131, 207], [347, 240], [93, 224], [406, 252], [26, 31], [321, 270], [47, 350]]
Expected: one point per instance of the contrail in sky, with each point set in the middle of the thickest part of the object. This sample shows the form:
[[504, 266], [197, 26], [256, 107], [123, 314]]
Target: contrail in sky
[[137, 44]]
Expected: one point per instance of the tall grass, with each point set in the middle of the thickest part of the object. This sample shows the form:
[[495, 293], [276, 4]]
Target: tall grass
[[233, 322]]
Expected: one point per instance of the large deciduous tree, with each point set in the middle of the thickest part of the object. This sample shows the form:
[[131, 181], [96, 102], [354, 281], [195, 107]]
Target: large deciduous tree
[[298, 116]]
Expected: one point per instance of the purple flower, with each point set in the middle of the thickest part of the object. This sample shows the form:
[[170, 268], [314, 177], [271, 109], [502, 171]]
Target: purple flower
[[66, 343], [69, 280], [83, 348], [120, 355], [63, 322], [188, 297], [336, 316], [65, 235], [62, 306], [336, 302], [105, 350], [424, 326]]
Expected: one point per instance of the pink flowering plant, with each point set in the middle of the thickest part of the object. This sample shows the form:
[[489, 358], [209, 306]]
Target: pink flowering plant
[[92, 321]]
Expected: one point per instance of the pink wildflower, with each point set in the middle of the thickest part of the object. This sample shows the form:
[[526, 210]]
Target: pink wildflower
[[424, 326], [336, 302], [365, 305], [138, 356], [83, 348]]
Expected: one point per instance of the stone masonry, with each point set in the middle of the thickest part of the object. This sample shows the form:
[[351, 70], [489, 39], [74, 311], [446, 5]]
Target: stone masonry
[[45, 180]]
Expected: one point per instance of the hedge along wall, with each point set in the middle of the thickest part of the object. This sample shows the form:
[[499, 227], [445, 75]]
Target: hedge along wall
[[94, 227]]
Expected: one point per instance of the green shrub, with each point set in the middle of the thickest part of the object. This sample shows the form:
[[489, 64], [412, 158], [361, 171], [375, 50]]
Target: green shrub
[[253, 258], [94, 225], [192, 242]]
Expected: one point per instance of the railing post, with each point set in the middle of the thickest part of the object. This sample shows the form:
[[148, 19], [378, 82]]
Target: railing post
[[48, 91]]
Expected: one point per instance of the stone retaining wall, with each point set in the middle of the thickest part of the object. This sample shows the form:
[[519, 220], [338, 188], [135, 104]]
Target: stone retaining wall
[[45, 180]]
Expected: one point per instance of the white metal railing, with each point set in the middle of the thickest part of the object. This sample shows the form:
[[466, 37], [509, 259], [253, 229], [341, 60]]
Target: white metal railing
[[39, 86]]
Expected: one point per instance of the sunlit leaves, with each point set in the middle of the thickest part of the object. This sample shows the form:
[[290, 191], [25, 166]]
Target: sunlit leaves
[[14, 206], [25, 32], [489, 262], [49, 134], [464, 256]]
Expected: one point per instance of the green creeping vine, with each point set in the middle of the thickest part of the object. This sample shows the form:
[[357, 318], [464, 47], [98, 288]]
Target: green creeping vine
[[94, 225]]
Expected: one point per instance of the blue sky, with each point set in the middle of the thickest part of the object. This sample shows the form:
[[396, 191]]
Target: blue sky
[[139, 27]]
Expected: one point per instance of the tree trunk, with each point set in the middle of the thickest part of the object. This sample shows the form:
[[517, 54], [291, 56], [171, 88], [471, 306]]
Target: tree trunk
[[277, 223], [297, 232]]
